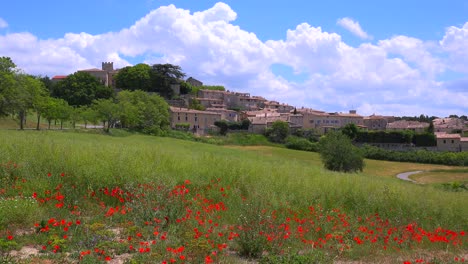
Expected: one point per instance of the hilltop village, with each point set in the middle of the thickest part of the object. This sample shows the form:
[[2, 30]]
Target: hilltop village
[[235, 106]]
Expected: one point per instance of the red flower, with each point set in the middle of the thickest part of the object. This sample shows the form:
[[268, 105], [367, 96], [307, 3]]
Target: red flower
[[10, 237], [49, 174]]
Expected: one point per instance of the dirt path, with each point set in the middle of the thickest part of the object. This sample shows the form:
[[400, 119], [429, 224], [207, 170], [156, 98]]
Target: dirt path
[[405, 176]]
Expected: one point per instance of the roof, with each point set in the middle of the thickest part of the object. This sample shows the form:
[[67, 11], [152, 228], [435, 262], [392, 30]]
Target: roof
[[58, 77], [185, 110], [445, 135], [464, 139], [403, 124], [92, 70]]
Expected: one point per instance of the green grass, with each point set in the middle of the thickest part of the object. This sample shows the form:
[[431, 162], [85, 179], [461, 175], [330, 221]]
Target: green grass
[[275, 177], [277, 174]]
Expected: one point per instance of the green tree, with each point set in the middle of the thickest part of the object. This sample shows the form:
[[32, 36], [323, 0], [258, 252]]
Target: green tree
[[162, 76], [145, 112], [81, 88], [223, 126], [88, 114], [52, 109], [108, 112], [350, 130], [133, 78], [23, 93], [278, 132], [7, 65], [339, 154], [430, 128]]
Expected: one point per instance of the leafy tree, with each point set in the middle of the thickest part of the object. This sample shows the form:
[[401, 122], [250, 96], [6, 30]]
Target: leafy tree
[[245, 124], [278, 132], [195, 104], [430, 128], [339, 154], [48, 84], [145, 112], [81, 88], [108, 112], [20, 93], [7, 65], [185, 88], [162, 76], [88, 114], [133, 78], [223, 126], [53, 108], [350, 130]]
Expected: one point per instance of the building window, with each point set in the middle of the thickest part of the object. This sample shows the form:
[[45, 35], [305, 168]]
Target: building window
[[178, 118], [196, 119], [453, 141], [445, 141]]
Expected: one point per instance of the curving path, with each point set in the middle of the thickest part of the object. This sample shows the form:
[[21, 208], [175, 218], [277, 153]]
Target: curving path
[[405, 175]]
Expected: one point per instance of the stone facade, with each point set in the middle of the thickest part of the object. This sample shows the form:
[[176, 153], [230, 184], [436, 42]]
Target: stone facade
[[377, 122], [200, 121], [106, 74], [416, 126], [323, 122]]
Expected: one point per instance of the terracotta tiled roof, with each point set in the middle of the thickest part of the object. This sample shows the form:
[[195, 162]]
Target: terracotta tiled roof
[[445, 135], [185, 110], [59, 77]]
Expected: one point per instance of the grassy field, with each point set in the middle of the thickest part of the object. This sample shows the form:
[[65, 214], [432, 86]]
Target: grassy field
[[158, 199]]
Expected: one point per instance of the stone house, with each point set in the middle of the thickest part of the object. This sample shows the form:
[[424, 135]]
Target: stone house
[[377, 122], [281, 108], [106, 74], [451, 142], [194, 82], [449, 125], [401, 125], [323, 122], [226, 114], [200, 121]]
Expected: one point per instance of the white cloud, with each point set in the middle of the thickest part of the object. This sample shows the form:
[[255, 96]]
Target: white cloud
[[353, 27], [394, 76], [3, 23], [455, 42]]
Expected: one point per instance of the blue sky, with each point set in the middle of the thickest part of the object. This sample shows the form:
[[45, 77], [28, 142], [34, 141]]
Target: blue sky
[[385, 57]]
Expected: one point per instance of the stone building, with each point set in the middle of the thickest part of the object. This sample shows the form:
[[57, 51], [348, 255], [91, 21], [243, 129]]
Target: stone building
[[194, 82], [449, 125], [451, 142], [401, 125], [377, 122], [200, 121], [106, 74], [323, 122]]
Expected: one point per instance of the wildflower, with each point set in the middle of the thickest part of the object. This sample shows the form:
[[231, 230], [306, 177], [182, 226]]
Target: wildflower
[[10, 237]]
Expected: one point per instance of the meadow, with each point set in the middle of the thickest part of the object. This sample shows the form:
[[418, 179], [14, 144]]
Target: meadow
[[90, 198]]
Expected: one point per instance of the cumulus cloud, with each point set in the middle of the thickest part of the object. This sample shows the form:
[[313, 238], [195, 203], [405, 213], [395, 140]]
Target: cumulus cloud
[[3, 23], [396, 76], [455, 42], [353, 27]]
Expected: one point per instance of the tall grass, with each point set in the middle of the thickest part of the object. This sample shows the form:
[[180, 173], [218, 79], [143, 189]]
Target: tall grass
[[279, 178]]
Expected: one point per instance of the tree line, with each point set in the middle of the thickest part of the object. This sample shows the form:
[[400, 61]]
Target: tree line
[[79, 97]]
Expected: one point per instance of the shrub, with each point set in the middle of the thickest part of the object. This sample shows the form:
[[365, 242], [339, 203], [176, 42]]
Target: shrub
[[223, 126], [278, 131], [339, 154], [293, 142]]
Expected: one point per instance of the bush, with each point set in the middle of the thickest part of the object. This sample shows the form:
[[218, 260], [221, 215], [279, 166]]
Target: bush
[[339, 154], [293, 142], [420, 156], [278, 132]]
